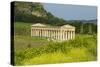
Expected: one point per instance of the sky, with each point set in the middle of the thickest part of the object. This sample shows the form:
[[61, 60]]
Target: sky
[[72, 12]]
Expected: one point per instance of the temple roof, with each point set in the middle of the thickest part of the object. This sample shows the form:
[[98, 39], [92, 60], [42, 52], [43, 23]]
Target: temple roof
[[67, 26], [38, 24], [42, 25]]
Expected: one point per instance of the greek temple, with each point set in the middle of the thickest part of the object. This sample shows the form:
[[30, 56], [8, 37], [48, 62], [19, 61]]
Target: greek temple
[[59, 33]]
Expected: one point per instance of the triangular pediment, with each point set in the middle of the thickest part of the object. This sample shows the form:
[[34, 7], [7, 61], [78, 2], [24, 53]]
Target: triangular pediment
[[38, 24]]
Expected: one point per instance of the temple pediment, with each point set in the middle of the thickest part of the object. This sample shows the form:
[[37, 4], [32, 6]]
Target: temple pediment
[[67, 26], [39, 24]]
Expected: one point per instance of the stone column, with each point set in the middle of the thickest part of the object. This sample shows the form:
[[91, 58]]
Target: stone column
[[55, 34], [44, 33], [63, 35], [41, 32], [68, 35], [47, 33], [50, 33], [36, 32], [58, 34], [32, 32], [73, 34]]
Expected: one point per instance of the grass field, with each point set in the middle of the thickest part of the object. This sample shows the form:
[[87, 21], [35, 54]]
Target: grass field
[[35, 50]]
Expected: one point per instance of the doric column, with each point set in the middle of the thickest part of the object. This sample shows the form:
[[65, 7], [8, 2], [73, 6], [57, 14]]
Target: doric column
[[61, 35], [68, 35], [40, 32], [48, 33], [44, 33], [54, 34], [58, 34], [32, 32], [36, 32], [65, 35], [73, 34]]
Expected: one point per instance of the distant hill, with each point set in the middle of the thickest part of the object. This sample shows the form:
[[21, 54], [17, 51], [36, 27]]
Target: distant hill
[[30, 12], [35, 13], [90, 21], [30, 8], [85, 21]]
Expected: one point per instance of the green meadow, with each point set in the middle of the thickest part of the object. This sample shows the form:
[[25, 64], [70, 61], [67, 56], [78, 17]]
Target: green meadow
[[35, 50]]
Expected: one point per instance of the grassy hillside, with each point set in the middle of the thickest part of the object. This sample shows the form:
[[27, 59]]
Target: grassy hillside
[[21, 28], [35, 50]]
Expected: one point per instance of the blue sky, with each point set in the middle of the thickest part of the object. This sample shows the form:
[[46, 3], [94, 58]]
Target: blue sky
[[72, 12]]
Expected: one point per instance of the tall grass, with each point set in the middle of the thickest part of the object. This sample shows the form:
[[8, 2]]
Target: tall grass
[[82, 48]]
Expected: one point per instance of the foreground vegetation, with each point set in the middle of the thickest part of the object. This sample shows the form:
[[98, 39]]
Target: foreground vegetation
[[82, 48]]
